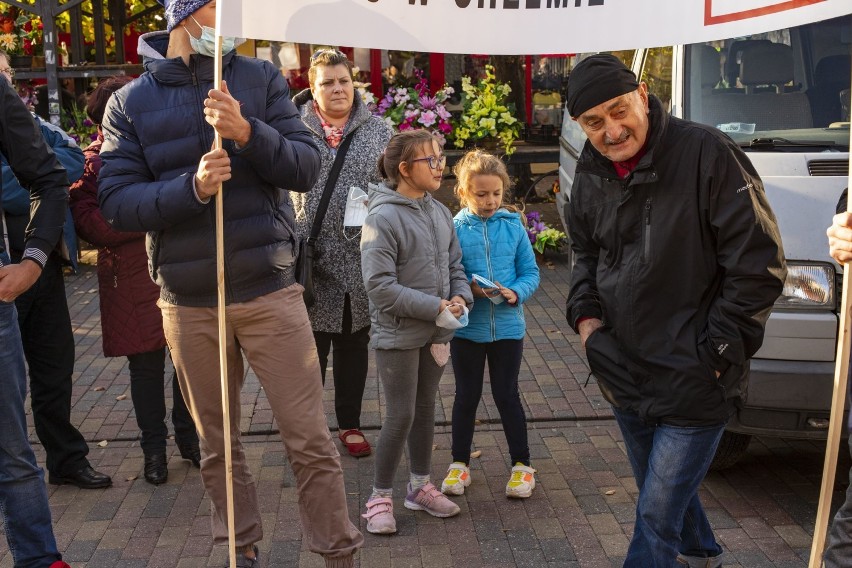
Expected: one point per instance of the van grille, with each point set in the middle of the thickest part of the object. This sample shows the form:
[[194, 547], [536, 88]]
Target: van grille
[[828, 167]]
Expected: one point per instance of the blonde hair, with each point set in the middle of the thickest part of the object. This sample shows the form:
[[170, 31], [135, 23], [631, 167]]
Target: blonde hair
[[479, 163]]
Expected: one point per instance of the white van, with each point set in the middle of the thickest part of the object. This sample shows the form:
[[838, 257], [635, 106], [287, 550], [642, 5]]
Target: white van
[[784, 97]]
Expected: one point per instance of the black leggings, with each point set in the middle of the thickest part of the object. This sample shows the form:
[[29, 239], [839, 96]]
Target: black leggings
[[147, 381], [504, 363], [350, 368]]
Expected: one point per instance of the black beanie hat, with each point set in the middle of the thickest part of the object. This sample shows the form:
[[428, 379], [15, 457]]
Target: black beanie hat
[[597, 79]]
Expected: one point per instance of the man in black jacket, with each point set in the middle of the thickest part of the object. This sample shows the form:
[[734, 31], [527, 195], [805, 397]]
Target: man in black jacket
[[678, 264], [23, 498]]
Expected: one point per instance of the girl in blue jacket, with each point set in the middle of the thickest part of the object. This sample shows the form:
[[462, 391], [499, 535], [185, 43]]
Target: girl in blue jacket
[[495, 246]]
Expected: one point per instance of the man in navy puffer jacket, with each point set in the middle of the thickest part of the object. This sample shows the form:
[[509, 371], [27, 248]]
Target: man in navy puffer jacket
[[159, 175]]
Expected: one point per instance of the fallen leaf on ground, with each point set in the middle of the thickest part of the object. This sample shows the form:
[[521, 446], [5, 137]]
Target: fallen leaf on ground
[[477, 422], [610, 492], [121, 397], [99, 389], [476, 454], [133, 478], [103, 443]]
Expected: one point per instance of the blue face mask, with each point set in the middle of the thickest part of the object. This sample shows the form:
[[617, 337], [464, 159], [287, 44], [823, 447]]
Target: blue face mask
[[206, 44]]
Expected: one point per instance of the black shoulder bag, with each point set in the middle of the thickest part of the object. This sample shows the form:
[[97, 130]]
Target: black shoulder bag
[[307, 247]]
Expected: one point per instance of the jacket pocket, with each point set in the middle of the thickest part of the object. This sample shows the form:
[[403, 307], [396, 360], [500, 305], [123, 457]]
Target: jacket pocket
[[606, 362]]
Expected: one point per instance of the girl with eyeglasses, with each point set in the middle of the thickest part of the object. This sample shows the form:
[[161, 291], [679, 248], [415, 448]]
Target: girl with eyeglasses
[[411, 263]]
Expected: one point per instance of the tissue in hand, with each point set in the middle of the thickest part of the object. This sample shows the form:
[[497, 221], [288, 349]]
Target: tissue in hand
[[447, 320]]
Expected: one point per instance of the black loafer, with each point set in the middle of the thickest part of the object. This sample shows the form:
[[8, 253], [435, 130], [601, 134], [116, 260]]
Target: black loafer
[[85, 478], [156, 468], [244, 561], [191, 452]]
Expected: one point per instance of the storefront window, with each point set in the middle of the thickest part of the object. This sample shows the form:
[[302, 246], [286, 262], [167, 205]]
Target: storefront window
[[549, 75]]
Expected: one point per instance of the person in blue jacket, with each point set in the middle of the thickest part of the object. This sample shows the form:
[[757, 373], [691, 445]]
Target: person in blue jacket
[[160, 175], [45, 322], [495, 245]]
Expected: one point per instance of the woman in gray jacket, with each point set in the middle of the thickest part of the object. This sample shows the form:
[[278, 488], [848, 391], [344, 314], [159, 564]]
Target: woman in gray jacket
[[339, 316], [411, 263]]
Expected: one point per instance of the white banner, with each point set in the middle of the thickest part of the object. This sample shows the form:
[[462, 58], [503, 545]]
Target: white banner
[[515, 26]]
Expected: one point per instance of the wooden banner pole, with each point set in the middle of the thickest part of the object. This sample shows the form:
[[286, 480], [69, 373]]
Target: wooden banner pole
[[838, 402], [223, 340]]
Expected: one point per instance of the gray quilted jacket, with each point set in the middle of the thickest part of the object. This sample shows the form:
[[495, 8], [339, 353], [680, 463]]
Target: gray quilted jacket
[[411, 260], [337, 271]]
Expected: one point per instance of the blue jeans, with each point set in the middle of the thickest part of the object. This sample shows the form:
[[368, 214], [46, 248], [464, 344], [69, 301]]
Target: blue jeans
[[23, 497], [669, 463], [839, 551]]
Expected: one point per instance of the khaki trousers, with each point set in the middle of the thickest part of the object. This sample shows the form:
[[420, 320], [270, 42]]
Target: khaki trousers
[[275, 335]]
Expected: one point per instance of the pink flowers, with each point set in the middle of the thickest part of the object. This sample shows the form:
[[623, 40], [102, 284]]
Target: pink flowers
[[414, 107]]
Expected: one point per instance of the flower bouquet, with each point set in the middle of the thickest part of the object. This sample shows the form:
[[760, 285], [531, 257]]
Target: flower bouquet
[[79, 126], [404, 108], [541, 236], [486, 113], [362, 89]]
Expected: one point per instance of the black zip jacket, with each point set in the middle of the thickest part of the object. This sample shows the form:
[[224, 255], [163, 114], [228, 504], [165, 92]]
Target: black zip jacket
[[682, 261], [37, 169]]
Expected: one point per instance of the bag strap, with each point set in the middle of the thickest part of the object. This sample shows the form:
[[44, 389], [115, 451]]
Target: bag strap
[[329, 186]]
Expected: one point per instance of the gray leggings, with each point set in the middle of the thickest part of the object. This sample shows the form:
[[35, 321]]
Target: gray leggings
[[410, 380]]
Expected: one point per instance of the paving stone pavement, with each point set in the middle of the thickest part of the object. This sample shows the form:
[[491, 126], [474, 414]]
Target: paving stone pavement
[[580, 515]]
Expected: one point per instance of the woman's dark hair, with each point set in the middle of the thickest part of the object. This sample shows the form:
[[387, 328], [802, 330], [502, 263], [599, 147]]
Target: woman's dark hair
[[97, 100], [402, 147], [329, 58]]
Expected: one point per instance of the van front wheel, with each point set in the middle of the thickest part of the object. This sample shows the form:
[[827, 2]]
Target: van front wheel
[[731, 448]]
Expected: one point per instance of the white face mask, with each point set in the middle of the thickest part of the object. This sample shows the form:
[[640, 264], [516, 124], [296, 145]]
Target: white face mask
[[206, 44]]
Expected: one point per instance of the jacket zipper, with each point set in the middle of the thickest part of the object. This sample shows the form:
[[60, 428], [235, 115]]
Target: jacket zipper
[[429, 220], [646, 232], [493, 323], [228, 287]]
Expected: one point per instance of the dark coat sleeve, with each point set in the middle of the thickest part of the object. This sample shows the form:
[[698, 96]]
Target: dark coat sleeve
[[583, 298], [130, 197], [749, 251], [88, 220], [37, 169], [281, 149]]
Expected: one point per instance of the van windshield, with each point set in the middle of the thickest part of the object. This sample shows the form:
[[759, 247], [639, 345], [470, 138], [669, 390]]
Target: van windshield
[[776, 90]]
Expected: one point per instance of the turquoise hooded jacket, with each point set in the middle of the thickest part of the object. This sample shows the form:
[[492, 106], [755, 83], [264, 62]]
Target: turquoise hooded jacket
[[499, 249]]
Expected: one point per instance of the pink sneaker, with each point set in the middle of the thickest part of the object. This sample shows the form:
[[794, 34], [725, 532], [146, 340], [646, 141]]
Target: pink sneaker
[[379, 516], [429, 499]]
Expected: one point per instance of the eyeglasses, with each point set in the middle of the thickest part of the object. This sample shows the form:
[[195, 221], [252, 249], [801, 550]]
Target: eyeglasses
[[435, 162], [8, 71], [319, 52]]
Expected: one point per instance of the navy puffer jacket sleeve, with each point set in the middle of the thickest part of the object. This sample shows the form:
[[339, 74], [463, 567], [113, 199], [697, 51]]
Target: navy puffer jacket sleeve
[[155, 135]]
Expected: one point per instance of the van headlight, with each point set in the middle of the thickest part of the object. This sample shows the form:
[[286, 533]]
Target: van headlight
[[808, 286]]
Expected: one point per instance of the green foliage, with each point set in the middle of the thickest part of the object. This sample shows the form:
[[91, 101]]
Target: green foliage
[[486, 113]]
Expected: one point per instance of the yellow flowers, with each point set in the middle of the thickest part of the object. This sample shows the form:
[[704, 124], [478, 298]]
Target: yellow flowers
[[486, 113]]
